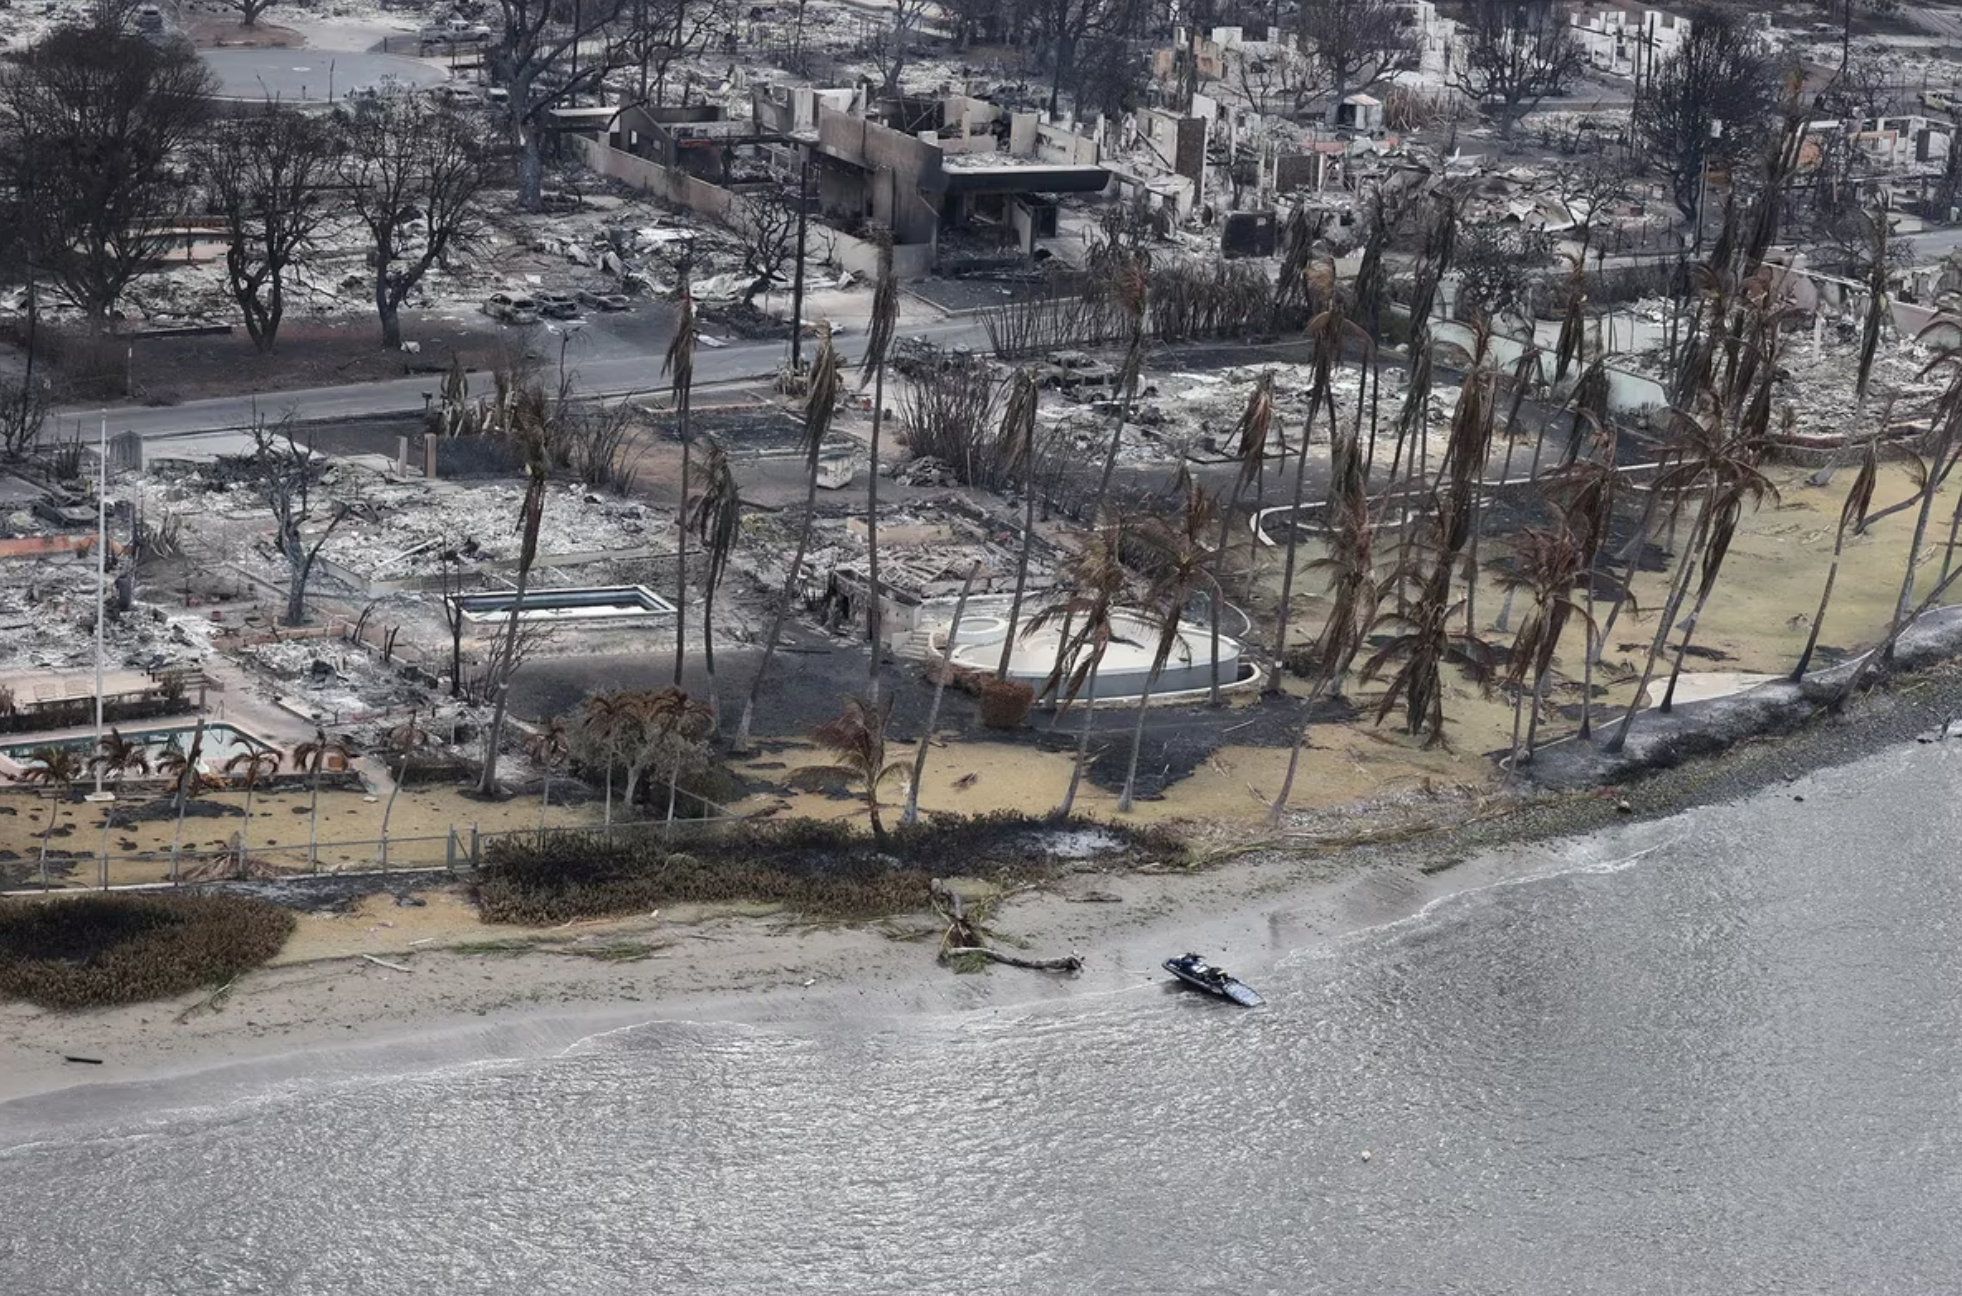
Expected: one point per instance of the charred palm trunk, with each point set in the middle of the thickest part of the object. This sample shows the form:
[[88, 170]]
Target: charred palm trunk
[[1288, 562], [1083, 735], [1678, 591], [1021, 579], [873, 628], [681, 547], [1721, 532], [785, 597], [912, 813]]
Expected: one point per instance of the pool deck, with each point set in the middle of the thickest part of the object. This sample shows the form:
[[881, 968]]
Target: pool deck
[[236, 700], [36, 687]]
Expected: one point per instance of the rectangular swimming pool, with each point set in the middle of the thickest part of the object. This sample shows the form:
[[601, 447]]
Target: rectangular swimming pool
[[221, 741]]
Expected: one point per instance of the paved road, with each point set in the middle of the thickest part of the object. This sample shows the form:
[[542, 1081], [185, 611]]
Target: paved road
[[1943, 22], [219, 422]]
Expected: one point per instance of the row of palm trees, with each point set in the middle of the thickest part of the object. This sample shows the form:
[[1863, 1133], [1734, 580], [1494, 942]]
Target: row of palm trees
[[1403, 551], [60, 768]]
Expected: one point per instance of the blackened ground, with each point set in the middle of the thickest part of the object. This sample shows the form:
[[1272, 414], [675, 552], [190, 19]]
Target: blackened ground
[[813, 673]]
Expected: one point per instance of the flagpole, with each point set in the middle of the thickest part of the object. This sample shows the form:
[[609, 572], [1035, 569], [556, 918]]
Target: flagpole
[[101, 580]]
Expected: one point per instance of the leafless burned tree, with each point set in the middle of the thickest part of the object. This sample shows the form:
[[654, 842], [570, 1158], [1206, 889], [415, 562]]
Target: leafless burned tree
[[265, 175], [93, 120], [290, 478], [1512, 56], [415, 172], [545, 55], [948, 416], [765, 225], [890, 44]]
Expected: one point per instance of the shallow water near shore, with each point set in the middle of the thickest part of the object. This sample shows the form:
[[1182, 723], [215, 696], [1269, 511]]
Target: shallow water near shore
[[1711, 1053]]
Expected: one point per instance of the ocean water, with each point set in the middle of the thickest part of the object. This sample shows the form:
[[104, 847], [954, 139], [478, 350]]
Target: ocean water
[[1717, 1053]]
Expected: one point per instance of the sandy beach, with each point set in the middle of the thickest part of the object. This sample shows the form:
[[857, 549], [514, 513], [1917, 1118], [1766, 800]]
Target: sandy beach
[[449, 987]]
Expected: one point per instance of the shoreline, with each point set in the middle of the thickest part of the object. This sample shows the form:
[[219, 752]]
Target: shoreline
[[349, 1015]]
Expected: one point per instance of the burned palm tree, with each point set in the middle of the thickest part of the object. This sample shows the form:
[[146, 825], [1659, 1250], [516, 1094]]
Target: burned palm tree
[[679, 365], [1548, 564], [1181, 570], [57, 769], [715, 515], [857, 737], [1718, 467], [311, 758], [1129, 286], [1328, 333], [531, 425], [1851, 515], [1584, 491], [1427, 564], [1440, 244], [549, 749], [1733, 404], [1877, 311], [1943, 451], [1526, 377], [1123, 271], [1712, 287], [1382, 216], [115, 759], [1350, 566], [1569, 347], [1088, 616], [941, 676], [1353, 592], [820, 402], [182, 766], [1749, 373], [885, 315], [254, 764], [1016, 452], [1252, 438], [1424, 638], [1353, 600], [1467, 450], [1588, 411], [1726, 509]]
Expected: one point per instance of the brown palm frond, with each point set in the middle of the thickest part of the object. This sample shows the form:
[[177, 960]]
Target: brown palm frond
[[821, 398], [1254, 430], [679, 364], [1877, 309], [311, 756], [1015, 442], [885, 312]]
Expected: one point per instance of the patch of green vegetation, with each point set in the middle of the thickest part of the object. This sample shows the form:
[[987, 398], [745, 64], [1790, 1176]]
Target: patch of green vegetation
[[961, 963], [98, 950], [509, 945], [621, 951]]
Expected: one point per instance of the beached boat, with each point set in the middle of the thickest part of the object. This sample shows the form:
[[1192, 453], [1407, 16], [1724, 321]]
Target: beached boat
[[1201, 975]]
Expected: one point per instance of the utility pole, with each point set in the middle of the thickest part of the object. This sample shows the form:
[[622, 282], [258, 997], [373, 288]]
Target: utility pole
[[1703, 185], [797, 285], [101, 600]]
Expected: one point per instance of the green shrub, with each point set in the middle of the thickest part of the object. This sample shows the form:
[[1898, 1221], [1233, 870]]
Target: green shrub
[[92, 951]]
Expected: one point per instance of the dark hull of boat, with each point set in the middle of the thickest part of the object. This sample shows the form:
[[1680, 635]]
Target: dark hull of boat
[[1228, 988]]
